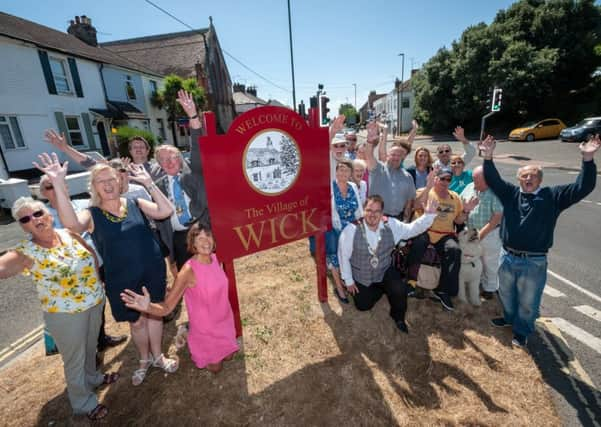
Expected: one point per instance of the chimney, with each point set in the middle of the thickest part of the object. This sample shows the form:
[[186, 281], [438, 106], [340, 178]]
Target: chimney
[[239, 87], [252, 90], [82, 29]]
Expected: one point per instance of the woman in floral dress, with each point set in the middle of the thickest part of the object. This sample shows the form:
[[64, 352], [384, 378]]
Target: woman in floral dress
[[64, 270]]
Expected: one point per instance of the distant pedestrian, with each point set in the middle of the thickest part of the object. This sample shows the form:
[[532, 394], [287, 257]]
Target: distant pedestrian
[[530, 215]]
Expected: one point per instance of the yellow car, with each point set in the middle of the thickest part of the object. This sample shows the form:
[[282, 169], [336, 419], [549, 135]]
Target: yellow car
[[548, 128]]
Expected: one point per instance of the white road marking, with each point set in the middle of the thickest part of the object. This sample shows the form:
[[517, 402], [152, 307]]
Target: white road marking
[[552, 292], [591, 312], [573, 173], [578, 333], [586, 201], [575, 286]]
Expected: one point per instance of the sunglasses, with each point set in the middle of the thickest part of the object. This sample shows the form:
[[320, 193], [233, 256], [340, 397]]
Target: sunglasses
[[339, 145], [447, 179], [456, 163], [122, 170], [443, 151], [37, 214], [48, 187]]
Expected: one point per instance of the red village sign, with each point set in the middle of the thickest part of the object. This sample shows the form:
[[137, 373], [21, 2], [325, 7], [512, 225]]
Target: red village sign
[[267, 183]]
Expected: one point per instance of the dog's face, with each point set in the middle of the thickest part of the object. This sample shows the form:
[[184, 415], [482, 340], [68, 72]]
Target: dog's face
[[468, 235]]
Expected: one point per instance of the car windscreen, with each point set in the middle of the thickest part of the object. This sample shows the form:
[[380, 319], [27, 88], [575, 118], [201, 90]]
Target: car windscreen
[[528, 124]]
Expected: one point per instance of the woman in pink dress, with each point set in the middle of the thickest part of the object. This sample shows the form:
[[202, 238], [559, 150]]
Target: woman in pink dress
[[204, 285]]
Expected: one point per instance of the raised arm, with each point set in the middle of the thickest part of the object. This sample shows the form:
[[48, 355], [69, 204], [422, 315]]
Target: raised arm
[[412, 132], [186, 101], [56, 173], [142, 303], [501, 188], [336, 126], [59, 142], [402, 231], [160, 207], [468, 148], [383, 129], [13, 263], [372, 140], [567, 195]]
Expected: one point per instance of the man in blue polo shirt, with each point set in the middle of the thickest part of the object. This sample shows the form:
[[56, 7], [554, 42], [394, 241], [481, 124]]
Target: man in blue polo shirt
[[530, 215]]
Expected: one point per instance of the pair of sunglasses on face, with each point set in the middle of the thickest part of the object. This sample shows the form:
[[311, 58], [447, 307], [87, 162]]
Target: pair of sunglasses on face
[[37, 214]]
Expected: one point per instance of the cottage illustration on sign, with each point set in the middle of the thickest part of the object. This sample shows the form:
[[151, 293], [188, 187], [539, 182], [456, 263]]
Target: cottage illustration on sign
[[271, 162]]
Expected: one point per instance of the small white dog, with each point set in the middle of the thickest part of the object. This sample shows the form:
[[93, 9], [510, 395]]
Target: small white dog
[[471, 266]]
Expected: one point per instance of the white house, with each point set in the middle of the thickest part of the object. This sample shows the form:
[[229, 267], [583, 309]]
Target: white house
[[51, 79]]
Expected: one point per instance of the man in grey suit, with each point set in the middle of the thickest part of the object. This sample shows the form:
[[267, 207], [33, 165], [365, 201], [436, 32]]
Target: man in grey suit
[[183, 183]]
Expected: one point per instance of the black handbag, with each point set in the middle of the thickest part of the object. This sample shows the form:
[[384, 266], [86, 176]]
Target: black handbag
[[400, 256]]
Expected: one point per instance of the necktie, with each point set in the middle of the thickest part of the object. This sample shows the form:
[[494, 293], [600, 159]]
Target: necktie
[[181, 209]]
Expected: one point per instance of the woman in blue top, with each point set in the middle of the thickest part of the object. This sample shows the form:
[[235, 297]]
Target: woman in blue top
[[461, 178], [132, 256], [346, 208]]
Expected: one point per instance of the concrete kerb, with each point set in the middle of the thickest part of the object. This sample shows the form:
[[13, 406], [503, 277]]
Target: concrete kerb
[[19, 346]]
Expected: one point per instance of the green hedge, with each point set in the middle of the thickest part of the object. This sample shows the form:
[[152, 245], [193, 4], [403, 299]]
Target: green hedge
[[125, 134]]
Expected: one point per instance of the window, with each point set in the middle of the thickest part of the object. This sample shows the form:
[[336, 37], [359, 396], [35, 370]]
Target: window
[[405, 102], [10, 133], [74, 131], [162, 129], [59, 74], [153, 87], [129, 88]]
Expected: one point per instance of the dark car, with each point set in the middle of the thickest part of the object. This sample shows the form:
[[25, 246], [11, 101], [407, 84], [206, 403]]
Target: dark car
[[582, 131]]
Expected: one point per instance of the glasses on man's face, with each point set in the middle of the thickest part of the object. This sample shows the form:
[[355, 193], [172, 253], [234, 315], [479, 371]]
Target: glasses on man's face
[[37, 214], [445, 178], [443, 151], [122, 170], [339, 145]]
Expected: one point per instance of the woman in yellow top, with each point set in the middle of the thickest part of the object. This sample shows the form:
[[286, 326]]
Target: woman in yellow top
[[64, 270]]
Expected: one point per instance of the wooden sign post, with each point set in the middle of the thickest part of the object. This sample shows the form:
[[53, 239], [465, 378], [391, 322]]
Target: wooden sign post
[[267, 183]]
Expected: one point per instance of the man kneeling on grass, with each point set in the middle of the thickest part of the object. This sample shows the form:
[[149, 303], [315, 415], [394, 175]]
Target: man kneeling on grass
[[364, 254]]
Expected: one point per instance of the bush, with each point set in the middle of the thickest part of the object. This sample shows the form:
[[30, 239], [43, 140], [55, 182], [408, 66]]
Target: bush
[[125, 134]]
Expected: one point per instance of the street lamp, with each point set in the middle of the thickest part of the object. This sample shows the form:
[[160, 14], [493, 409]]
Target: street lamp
[[355, 84], [291, 58], [400, 95]]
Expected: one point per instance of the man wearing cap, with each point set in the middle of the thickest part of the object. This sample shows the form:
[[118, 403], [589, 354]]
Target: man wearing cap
[[389, 179], [451, 211], [530, 215]]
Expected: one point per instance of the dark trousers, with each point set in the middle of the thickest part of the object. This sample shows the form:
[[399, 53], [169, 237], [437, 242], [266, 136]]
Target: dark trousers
[[180, 248], [450, 261], [395, 289]]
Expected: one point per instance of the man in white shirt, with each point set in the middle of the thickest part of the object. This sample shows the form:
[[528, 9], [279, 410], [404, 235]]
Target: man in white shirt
[[364, 255]]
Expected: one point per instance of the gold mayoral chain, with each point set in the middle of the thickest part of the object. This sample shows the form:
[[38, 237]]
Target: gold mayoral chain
[[373, 259]]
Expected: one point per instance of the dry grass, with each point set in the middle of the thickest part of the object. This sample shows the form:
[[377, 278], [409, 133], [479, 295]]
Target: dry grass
[[305, 363]]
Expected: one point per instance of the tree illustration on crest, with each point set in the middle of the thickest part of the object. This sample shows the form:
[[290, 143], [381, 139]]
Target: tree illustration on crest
[[289, 156]]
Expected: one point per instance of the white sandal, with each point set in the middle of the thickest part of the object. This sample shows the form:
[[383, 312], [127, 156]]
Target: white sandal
[[166, 364], [140, 374]]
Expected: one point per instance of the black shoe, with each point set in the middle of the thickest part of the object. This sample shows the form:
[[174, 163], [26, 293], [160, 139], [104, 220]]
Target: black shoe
[[445, 300], [109, 341], [402, 326], [343, 300], [519, 341], [488, 295], [499, 322]]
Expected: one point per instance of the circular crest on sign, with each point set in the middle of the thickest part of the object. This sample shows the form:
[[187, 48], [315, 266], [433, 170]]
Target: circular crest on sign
[[271, 162]]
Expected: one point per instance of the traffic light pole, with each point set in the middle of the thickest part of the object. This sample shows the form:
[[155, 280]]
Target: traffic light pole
[[483, 123]]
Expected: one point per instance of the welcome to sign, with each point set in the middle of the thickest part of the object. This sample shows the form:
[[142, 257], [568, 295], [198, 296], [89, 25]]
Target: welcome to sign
[[267, 183]]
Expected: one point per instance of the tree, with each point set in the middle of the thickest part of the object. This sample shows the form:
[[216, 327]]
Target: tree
[[289, 156], [167, 98], [125, 134], [349, 112], [544, 54]]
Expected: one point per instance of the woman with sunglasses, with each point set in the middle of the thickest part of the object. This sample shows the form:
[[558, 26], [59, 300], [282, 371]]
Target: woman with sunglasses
[[64, 270], [461, 177], [131, 253]]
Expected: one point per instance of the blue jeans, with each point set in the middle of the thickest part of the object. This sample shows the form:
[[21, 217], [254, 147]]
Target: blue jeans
[[521, 284]]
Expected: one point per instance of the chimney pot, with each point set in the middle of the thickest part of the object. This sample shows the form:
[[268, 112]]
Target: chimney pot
[[77, 19]]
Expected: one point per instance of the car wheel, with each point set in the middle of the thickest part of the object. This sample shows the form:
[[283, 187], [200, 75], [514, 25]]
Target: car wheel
[[530, 137]]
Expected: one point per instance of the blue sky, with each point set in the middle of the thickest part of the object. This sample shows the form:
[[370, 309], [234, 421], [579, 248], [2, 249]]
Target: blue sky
[[336, 42]]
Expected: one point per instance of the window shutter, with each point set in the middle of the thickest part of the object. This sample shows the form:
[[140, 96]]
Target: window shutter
[[75, 76], [47, 72], [88, 127], [61, 123]]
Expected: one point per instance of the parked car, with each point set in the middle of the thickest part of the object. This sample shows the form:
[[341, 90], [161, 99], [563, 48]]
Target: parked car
[[582, 131], [548, 128]]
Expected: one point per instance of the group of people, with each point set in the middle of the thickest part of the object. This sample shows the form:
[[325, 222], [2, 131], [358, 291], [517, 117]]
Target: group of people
[[114, 247], [514, 224], [119, 244]]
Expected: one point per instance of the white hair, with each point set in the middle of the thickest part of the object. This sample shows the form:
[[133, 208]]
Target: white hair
[[26, 202]]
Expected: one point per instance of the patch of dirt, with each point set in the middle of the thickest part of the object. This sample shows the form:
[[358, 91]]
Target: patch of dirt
[[305, 363]]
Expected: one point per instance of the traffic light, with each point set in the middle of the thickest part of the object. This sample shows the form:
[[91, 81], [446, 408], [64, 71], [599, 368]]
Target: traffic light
[[497, 96], [323, 110]]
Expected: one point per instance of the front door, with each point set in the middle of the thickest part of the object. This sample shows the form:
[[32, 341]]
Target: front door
[[103, 141]]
